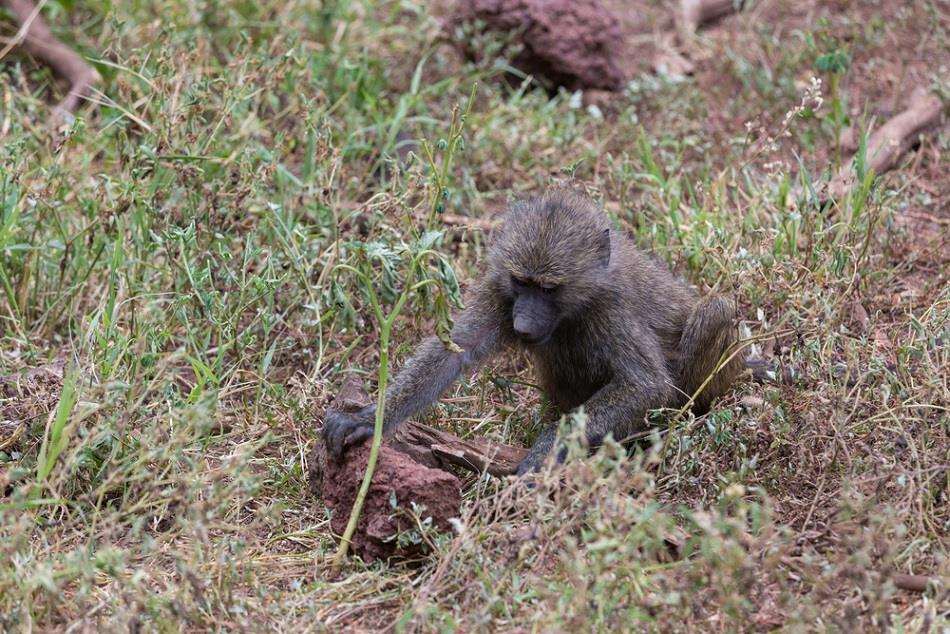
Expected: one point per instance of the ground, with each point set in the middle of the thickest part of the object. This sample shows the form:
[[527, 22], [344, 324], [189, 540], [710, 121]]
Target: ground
[[180, 296]]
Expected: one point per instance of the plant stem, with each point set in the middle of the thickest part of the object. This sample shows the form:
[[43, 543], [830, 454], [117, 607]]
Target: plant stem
[[456, 128], [385, 327], [347, 537]]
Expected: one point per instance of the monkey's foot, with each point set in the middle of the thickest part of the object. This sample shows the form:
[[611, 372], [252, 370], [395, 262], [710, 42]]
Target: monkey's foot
[[528, 466]]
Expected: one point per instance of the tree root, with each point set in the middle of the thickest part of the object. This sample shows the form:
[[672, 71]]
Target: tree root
[[35, 38], [432, 447], [672, 58], [693, 14], [898, 135], [913, 583]]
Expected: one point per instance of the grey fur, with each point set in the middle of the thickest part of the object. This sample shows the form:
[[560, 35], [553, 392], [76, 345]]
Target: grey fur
[[628, 336]]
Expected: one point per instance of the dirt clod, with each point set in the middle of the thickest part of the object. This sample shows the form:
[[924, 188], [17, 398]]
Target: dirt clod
[[415, 488], [26, 397], [576, 44], [397, 479]]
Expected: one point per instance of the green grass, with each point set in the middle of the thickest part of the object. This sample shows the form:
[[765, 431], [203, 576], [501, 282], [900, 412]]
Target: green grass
[[188, 247]]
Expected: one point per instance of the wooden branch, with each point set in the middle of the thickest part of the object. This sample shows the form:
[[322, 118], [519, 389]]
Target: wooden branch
[[670, 60], [693, 14], [898, 135], [436, 448], [36, 39], [671, 57], [485, 224], [912, 583]]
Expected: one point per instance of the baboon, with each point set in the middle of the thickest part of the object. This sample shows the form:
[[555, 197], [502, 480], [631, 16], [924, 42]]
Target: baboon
[[608, 327]]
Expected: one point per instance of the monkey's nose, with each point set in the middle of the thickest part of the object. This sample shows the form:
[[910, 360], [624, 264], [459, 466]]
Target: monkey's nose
[[522, 327]]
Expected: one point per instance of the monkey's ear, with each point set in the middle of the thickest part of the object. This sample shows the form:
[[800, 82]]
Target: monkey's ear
[[603, 248]]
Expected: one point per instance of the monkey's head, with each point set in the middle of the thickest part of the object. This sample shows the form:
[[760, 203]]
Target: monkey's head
[[549, 261]]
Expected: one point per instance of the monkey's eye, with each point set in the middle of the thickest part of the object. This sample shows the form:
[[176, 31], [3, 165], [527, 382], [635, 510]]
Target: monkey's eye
[[547, 289], [518, 282]]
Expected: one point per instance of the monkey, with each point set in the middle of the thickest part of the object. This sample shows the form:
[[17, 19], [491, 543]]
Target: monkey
[[608, 327]]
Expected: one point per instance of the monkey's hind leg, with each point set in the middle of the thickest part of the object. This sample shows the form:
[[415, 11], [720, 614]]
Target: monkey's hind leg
[[707, 339]]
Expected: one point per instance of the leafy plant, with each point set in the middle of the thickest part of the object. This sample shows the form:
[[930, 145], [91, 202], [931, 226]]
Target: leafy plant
[[388, 274]]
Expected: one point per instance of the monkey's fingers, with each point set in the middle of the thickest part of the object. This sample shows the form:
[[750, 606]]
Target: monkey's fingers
[[357, 435], [529, 465], [334, 431]]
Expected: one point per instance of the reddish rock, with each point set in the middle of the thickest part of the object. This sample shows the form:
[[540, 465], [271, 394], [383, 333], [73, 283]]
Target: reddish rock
[[572, 43], [398, 478]]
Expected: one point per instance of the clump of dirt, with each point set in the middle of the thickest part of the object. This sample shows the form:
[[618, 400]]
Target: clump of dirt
[[27, 396], [572, 43], [401, 487]]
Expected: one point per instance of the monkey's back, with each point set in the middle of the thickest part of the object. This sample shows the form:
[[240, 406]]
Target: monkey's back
[[694, 332], [651, 294]]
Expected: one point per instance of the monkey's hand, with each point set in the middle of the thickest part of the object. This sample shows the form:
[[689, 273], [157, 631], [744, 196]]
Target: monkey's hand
[[529, 465], [342, 429]]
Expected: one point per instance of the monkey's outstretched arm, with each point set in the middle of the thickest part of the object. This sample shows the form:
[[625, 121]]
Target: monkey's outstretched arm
[[619, 409], [432, 368]]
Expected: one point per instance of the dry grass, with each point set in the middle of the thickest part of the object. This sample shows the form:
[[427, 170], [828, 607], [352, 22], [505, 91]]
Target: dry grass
[[176, 248]]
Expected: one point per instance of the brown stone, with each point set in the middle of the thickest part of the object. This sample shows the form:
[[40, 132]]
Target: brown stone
[[414, 467]]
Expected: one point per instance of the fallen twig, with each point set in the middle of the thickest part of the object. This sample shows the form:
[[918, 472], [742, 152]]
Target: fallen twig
[[912, 583], [898, 135], [36, 39], [671, 58], [485, 224], [919, 215], [436, 448], [694, 13]]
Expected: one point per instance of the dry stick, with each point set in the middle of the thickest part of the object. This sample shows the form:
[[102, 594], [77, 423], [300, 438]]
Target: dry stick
[[919, 215], [892, 139], [485, 224], [35, 38], [694, 13], [688, 17], [913, 583], [436, 448], [669, 60]]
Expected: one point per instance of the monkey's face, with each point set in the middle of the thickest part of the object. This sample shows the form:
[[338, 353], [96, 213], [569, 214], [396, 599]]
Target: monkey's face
[[534, 313], [549, 262]]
